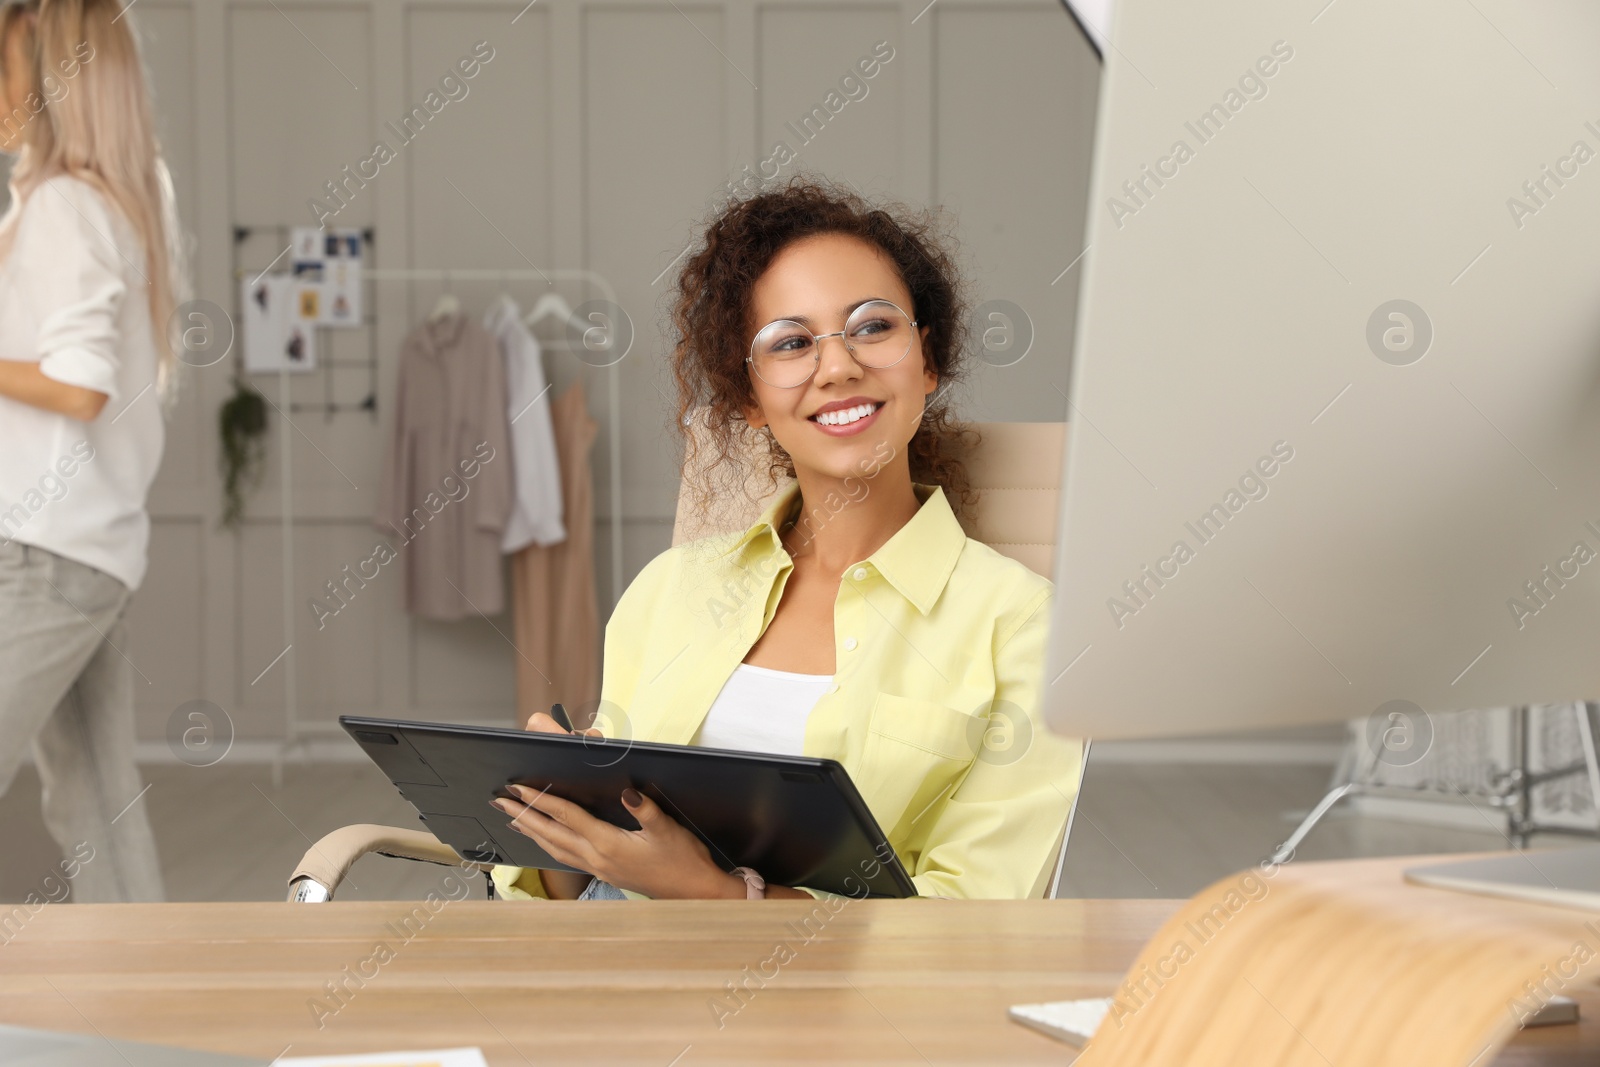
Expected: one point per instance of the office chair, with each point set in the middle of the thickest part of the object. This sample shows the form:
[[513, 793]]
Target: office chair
[[1016, 469]]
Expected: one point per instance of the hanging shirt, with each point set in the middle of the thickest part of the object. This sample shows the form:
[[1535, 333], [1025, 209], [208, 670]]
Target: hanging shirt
[[555, 608], [447, 480], [535, 517], [74, 300]]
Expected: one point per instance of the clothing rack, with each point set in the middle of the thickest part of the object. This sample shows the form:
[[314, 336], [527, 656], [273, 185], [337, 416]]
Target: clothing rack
[[298, 733], [613, 378]]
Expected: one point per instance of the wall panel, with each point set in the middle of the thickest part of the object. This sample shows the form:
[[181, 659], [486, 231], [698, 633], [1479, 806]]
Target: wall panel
[[167, 37], [334, 656], [1014, 105], [301, 96], [167, 641], [654, 134], [817, 103]]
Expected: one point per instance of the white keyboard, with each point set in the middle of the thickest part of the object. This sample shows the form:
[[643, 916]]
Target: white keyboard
[[1072, 1021], [1075, 1021]]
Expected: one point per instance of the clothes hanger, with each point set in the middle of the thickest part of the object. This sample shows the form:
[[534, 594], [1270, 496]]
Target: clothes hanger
[[553, 305], [447, 305], [504, 299], [547, 305]]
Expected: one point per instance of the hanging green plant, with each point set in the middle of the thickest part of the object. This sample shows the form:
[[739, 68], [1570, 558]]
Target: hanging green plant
[[242, 422]]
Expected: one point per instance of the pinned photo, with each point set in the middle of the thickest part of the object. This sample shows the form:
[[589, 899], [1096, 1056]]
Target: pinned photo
[[331, 259], [279, 328]]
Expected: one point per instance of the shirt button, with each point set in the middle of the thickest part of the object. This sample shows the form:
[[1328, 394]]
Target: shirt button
[[849, 644], [860, 574], [834, 688]]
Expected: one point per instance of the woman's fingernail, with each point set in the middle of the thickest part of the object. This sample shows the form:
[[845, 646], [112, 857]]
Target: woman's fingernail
[[631, 797], [519, 790]]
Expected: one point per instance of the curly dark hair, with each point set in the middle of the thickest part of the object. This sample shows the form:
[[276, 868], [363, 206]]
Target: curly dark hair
[[711, 321]]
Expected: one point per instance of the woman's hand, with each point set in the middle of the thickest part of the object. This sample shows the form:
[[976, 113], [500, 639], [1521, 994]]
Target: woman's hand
[[23, 380], [559, 885], [541, 723], [661, 840], [661, 859]]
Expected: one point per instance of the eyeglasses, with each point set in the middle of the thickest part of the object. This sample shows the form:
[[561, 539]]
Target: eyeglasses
[[785, 354]]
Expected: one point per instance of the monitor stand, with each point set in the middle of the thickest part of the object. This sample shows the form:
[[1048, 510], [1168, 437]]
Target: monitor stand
[[1512, 790]]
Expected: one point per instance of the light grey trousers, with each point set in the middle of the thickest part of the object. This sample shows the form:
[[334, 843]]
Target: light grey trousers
[[66, 686]]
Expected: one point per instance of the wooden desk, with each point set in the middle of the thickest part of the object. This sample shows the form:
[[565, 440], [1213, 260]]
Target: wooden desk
[[567, 982], [625, 982]]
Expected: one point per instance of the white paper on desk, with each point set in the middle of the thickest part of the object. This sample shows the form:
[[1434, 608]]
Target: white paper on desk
[[441, 1057]]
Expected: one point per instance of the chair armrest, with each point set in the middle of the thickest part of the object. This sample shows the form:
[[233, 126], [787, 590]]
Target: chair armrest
[[324, 866]]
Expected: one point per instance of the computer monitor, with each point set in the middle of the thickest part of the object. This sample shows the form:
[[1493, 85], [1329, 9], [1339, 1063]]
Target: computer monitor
[[1335, 388]]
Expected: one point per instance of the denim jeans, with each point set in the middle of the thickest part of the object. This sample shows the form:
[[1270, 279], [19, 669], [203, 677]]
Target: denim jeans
[[66, 685], [598, 890]]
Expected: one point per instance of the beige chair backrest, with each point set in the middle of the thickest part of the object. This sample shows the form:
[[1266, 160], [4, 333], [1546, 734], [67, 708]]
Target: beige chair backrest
[[1016, 468]]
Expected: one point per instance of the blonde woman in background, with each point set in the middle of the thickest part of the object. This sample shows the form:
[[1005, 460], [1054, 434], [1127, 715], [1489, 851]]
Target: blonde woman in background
[[88, 279]]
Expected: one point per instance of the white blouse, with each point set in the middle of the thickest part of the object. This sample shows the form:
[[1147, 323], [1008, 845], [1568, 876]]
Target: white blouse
[[762, 710], [73, 299], [535, 517]]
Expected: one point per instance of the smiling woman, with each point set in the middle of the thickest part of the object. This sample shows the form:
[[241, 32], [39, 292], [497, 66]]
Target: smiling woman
[[820, 228], [868, 628]]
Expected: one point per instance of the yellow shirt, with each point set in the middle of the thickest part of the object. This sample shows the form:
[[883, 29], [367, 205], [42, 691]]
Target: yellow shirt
[[939, 645]]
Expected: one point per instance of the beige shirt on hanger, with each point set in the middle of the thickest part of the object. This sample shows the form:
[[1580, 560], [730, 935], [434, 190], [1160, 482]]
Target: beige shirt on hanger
[[447, 485], [556, 613]]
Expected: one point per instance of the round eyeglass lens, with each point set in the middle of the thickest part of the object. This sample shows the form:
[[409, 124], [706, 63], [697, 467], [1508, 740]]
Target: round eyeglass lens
[[784, 353]]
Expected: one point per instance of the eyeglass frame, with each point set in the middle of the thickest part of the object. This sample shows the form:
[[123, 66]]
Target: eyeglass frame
[[818, 338]]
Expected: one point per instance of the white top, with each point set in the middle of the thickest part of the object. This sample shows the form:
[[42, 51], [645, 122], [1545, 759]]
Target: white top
[[73, 299], [762, 710], [535, 517]]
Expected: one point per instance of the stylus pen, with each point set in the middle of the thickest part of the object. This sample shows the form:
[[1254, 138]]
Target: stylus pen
[[559, 714]]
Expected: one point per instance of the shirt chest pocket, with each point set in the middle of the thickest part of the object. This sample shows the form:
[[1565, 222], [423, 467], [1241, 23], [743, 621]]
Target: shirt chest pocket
[[916, 753]]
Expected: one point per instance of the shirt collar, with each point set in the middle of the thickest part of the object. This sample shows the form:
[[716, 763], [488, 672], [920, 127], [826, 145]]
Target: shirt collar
[[917, 561]]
